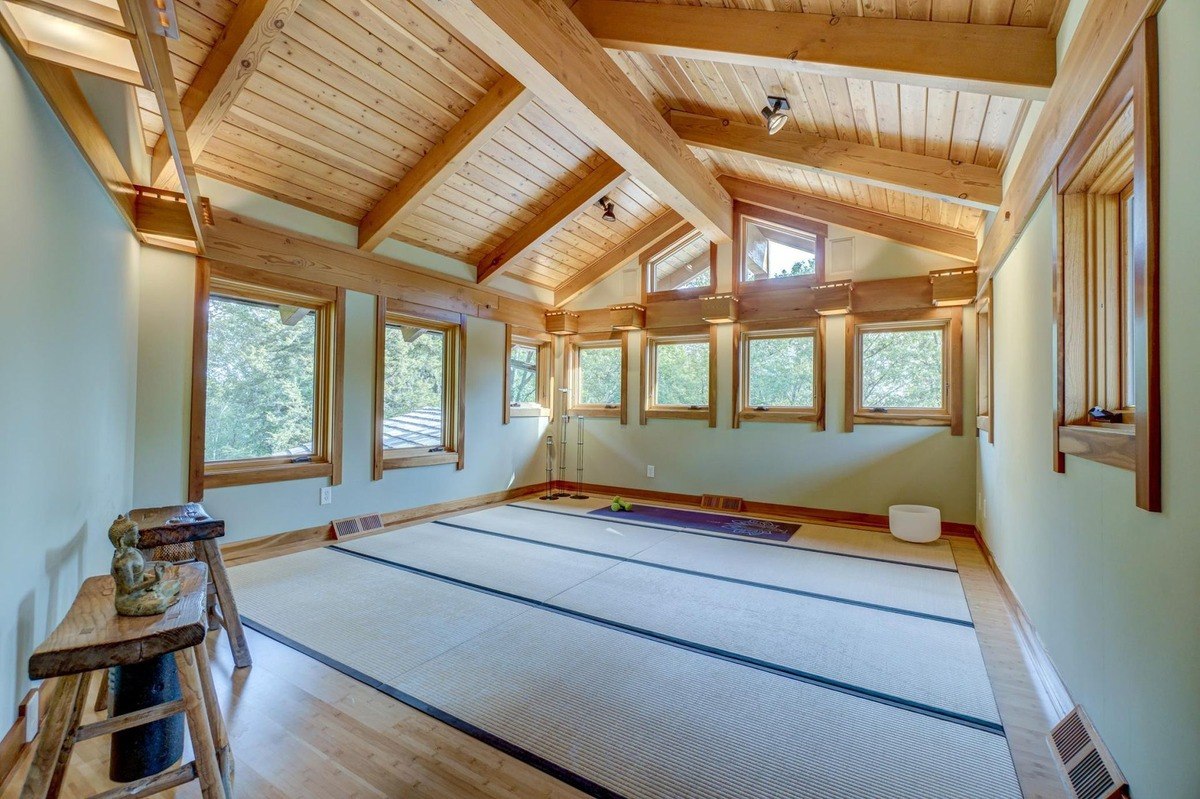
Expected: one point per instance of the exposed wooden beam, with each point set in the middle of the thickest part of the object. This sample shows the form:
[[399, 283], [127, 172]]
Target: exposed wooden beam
[[254, 26], [1104, 34], [477, 127], [247, 242], [960, 246], [151, 49], [556, 216], [548, 49], [612, 260], [968, 184], [65, 98], [989, 59]]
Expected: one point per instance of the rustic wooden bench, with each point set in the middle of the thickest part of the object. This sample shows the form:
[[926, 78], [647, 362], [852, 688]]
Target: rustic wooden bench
[[93, 637]]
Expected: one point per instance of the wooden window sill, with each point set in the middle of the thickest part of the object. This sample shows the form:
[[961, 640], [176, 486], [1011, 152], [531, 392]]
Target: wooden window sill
[[1113, 444], [677, 413], [920, 420], [778, 415], [515, 412], [596, 413], [405, 459], [252, 474]]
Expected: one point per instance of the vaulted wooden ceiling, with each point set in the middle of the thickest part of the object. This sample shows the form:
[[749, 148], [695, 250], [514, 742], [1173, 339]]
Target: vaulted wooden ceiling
[[330, 105]]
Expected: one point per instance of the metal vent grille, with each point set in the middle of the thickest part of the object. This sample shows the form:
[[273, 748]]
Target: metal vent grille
[[718, 502], [1087, 766], [357, 525]]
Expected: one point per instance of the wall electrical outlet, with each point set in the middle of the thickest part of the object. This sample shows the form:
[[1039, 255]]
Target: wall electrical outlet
[[649, 470], [326, 495]]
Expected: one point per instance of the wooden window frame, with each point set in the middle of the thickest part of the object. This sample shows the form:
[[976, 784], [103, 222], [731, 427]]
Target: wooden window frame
[[985, 366], [671, 241], [1117, 144], [542, 342], [744, 212], [744, 334], [453, 325], [329, 303], [649, 408], [597, 341], [951, 415]]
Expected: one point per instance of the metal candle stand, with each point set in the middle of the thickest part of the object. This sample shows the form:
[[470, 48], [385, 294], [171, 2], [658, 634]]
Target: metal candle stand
[[562, 443], [549, 495], [579, 463]]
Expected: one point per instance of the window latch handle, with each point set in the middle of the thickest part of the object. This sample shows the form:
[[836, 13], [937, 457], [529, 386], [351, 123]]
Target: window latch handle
[[302, 459], [437, 449]]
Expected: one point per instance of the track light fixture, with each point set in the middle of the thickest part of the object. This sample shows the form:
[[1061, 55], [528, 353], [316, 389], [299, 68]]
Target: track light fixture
[[773, 113], [607, 205]]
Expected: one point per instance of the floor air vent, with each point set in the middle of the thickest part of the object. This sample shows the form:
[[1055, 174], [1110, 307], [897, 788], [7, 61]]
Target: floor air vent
[[718, 502], [1088, 768], [357, 525]]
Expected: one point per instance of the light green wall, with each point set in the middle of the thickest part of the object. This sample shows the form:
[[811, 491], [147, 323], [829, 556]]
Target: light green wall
[[864, 471], [498, 456], [1113, 591], [68, 312]]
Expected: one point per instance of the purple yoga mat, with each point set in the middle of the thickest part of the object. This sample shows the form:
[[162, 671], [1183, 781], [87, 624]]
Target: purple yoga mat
[[699, 520]]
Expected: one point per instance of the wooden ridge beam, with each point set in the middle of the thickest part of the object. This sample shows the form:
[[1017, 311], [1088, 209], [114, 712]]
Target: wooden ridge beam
[[477, 127], [1104, 34], [612, 260], [556, 216], [257, 245], [988, 59], [942, 178], [151, 49], [254, 26], [544, 45], [944, 241], [62, 93]]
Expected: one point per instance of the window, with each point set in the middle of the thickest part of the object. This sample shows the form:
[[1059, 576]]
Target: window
[[775, 249], [527, 374], [597, 376], [780, 378], [1106, 280], [419, 365], [266, 387], [683, 266], [678, 377], [905, 368], [984, 414]]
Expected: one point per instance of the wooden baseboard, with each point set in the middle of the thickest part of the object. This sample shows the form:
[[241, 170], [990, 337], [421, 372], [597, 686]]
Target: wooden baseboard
[[833, 518], [271, 546], [1050, 685]]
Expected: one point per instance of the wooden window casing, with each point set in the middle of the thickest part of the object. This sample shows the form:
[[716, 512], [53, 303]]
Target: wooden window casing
[[949, 322], [685, 236], [592, 341], [651, 408], [328, 304], [744, 336], [785, 225], [985, 349], [544, 368], [1106, 278], [453, 327]]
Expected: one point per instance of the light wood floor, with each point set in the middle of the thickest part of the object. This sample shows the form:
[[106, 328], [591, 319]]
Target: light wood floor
[[301, 730]]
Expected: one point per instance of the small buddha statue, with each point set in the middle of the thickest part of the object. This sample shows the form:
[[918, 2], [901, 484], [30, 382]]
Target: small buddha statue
[[141, 588]]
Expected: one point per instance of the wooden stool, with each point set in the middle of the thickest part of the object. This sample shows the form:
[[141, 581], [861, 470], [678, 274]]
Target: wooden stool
[[93, 637], [188, 525]]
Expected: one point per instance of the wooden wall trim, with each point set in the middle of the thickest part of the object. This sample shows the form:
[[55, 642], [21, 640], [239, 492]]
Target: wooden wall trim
[[270, 546], [199, 386], [1104, 34], [832, 518], [237, 240]]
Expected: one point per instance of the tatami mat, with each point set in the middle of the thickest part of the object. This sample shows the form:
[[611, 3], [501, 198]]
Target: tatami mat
[[639, 717]]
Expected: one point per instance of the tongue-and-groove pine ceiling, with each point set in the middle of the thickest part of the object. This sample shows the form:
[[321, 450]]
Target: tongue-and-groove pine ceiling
[[350, 95]]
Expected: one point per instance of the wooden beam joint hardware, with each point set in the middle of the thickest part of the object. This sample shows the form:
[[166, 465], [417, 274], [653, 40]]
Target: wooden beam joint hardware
[[719, 309], [562, 323], [953, 286], [630, 316]]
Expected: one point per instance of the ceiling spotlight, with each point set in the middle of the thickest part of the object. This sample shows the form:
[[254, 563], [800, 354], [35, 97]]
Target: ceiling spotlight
[[773, 114], [607, 205]]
